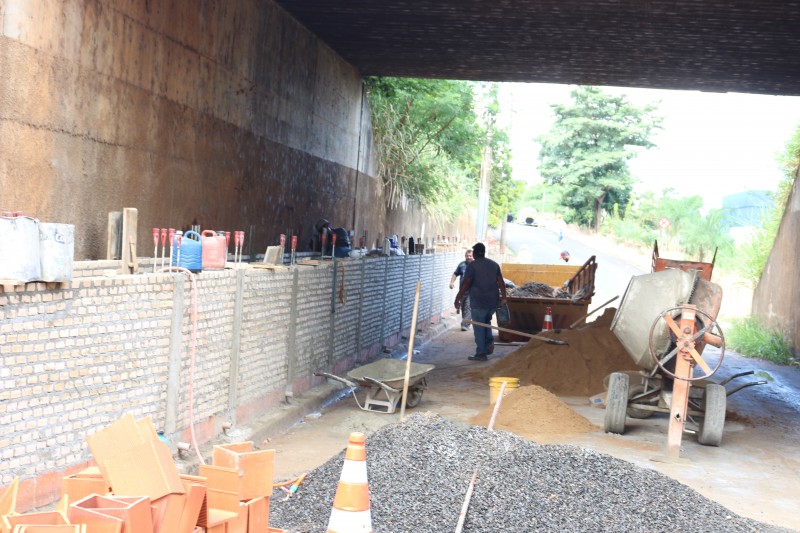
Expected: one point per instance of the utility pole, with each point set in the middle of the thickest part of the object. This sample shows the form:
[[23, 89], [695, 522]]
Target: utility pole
[[483, 191]]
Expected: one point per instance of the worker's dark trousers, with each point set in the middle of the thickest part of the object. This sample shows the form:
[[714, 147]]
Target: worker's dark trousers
[[483, 336]]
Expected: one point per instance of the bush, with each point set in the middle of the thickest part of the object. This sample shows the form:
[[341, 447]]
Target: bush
[[751, 338]]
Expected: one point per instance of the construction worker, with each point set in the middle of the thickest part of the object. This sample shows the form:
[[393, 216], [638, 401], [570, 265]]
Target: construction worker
[[484, 282], [459, 273]]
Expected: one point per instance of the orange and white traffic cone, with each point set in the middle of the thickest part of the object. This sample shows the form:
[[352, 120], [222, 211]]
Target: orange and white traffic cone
[[351, 513], [548, 320]]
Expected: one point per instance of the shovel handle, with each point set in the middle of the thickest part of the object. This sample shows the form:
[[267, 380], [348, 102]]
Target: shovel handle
[[548, 340]]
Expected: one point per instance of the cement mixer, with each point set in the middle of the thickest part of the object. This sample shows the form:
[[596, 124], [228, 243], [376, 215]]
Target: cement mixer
[[664, 321]]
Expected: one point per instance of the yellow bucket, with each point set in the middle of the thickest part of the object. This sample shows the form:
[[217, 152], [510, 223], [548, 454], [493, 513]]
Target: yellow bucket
[[495, 384]]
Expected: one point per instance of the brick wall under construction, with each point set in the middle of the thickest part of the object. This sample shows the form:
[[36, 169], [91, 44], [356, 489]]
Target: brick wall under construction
[[77, 357]]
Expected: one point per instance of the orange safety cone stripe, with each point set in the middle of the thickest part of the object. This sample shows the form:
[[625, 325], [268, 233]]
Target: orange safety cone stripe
[[351, 497], [356, 449]]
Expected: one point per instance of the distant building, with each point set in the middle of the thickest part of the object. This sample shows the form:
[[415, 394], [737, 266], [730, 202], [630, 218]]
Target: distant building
[[743, 212], [746, 209]]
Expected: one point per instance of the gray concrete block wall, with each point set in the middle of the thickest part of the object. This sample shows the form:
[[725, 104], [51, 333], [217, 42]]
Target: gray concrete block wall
[[393, 296], [426, 288], [74, 360], [313, 333], [409, 289], [345, 317], [372, 303]]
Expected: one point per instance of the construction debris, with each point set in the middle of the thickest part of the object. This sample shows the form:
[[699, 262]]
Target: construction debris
[[419, 470]]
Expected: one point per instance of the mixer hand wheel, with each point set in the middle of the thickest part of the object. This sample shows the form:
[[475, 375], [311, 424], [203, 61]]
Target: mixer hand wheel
[[686, 340]]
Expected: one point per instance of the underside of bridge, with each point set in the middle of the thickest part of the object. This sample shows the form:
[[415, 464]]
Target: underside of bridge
[[750, 46]]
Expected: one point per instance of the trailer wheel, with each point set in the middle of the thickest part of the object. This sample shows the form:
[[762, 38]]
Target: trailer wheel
[[715, 402], [414, 396], [616, 403], [633, 412]]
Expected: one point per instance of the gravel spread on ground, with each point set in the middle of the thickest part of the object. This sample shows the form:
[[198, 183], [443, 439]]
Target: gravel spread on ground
[[419, 470]]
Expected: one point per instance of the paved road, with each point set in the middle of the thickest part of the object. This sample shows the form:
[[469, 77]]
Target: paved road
[[612, 274]]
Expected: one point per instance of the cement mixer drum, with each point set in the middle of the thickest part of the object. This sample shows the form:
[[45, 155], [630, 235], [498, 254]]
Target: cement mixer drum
[[645, 298]]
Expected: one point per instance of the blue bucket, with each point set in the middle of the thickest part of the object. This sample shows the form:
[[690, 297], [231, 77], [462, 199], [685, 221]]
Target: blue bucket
[[191, 252]]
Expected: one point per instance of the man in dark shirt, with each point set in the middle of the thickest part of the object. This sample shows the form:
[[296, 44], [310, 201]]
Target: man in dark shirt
[[459, 273], [483, 280]]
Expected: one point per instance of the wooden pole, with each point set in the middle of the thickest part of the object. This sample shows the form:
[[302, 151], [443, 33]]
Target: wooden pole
[[463, 515], [537, 337], [410, 351], [587, 315]]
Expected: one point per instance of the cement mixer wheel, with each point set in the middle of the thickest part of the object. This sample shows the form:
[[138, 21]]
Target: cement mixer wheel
[[616, 403], [715, 402]]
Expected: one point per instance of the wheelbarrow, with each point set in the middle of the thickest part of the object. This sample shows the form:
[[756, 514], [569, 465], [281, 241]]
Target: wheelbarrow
[[383, 382]]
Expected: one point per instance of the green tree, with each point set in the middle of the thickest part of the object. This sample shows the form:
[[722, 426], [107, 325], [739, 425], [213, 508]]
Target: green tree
[[427, 140], [586, 151]]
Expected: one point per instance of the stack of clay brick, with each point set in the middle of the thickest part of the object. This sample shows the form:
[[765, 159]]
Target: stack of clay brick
[[136, 488]]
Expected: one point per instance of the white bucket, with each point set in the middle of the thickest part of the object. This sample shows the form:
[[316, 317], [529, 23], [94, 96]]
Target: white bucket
[[19, 250]]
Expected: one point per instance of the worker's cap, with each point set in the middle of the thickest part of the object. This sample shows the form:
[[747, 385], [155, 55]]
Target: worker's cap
[[479, 248]]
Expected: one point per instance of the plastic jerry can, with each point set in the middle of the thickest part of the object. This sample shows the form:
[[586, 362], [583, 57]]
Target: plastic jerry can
[[215, 250], [190, 253]]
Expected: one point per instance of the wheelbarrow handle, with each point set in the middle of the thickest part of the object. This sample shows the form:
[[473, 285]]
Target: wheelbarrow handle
[[336, 378], [381, 384]]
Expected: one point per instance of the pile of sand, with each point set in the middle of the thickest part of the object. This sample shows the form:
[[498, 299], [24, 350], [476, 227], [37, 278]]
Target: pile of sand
[[534, 413], [577, 369]]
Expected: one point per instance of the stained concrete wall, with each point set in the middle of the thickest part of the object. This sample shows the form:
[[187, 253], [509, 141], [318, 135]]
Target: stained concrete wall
[[224, 113], [776, 298]]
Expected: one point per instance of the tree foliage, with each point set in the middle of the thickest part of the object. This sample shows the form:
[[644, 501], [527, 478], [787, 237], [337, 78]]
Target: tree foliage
[[754, 253], [426, 138], [586, 151], [429, 138]]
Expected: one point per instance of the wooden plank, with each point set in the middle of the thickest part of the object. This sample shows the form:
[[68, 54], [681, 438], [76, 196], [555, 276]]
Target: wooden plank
[[113, 249], [129, 261]]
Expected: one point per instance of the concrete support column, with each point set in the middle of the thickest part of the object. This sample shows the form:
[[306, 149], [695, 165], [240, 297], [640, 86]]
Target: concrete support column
[[233, 373], [175, 357], [291, 342], [359, 343]]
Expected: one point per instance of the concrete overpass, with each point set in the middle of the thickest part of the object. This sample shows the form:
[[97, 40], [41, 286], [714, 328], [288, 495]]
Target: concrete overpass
[[750, 46]]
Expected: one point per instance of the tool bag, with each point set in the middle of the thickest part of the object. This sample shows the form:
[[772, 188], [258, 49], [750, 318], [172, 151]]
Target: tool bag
[[215, 250], [191, 252]]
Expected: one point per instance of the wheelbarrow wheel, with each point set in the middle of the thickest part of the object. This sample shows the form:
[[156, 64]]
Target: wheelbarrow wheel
[[414, 396], [715, 402], [616, 403]]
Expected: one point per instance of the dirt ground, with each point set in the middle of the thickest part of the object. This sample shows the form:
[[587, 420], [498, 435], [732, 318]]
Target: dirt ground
[[754, 472]]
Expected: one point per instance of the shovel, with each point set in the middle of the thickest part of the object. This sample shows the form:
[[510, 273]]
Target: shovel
[[548, 340]]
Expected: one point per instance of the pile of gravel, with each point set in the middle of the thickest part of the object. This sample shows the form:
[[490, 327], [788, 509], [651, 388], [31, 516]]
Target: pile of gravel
[[533, 288], [419, 470]]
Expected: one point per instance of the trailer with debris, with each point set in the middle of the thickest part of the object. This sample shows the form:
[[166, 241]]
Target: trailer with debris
[[566, 289]]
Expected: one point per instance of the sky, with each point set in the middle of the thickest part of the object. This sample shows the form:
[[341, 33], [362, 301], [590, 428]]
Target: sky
[[711, 144]]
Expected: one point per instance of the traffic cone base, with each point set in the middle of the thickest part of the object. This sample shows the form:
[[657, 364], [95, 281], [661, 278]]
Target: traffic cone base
[[350, 521]]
